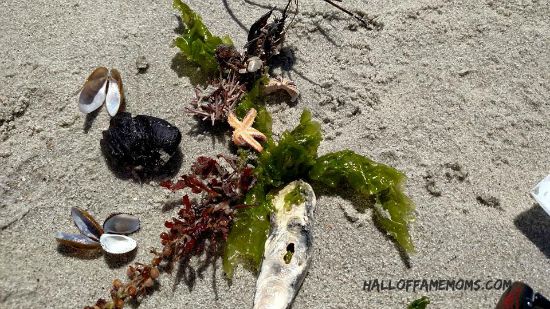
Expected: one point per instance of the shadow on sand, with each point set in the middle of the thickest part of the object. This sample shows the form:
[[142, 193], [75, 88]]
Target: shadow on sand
[[535, 225]]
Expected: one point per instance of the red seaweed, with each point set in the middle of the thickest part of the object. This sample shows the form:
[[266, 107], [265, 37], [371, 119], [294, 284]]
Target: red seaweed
[[200, 226]]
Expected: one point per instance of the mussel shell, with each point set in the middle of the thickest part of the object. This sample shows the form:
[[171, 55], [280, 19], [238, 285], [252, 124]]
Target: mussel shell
[[93, 92], [76, 241], [87, 225], [115, 93], [121, 224], [117, 244]]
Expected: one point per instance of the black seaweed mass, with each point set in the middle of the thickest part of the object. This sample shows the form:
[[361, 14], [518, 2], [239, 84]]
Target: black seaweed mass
[[141, 143]]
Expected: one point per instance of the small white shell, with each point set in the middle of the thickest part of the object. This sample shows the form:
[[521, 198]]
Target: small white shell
[[254, 64], [117, 244], [115, 96], [541, 193], [112, 101]]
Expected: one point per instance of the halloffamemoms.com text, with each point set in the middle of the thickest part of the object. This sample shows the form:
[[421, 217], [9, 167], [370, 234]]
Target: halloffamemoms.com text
[[425, 285]]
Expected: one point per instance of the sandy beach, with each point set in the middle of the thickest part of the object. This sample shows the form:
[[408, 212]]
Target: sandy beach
[[455, 94]]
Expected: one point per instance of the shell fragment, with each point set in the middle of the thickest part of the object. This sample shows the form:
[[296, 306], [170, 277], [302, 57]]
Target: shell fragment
[[280, 83], [287, 253], [254, 64]]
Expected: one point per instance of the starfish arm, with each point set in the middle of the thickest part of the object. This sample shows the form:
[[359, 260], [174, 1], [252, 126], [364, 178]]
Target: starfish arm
[[252, 142], [256, 134], [244, 133], [233, 121], [249, 118], [237, 139]]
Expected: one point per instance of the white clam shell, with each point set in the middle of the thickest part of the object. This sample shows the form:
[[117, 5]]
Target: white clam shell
[[112, 101], [117, 244], [114, 93]]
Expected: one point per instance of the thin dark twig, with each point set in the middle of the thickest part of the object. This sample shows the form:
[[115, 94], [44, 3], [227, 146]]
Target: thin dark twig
[[359, 18], [325, 34], [289, 25], [262, 6], [304, 77], [369, 24], [230, 11]]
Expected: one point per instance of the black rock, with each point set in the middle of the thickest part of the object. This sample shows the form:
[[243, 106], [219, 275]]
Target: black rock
[[140, 143]]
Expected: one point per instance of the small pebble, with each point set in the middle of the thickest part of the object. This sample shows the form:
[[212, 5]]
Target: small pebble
[[141, 64], [254, 64]]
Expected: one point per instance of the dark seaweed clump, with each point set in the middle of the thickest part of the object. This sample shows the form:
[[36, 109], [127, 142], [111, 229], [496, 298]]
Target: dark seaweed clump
[[140, 144], [237, 72]]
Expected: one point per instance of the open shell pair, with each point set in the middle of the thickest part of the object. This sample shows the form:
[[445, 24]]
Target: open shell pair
[[92, 235], [102, 86]]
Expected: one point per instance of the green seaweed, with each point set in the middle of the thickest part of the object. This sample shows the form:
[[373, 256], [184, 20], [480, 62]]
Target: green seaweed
[[377, 182], [196, 42], [277, 165], [294, 197], [249, 231], [420, 303], [295, 157], [292, 157], [288, 256], [255, 99]]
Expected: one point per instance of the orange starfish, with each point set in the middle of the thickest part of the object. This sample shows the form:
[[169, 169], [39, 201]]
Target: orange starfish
[[244, 133]]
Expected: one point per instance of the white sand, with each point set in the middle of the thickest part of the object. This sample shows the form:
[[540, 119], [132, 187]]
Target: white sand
[[455, 94]]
